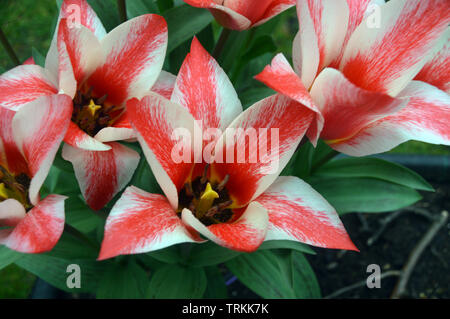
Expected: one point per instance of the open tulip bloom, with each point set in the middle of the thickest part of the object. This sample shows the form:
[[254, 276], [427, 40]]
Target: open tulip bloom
[[99, 72], [376, 84], [243, 14], [28, 144], [235, 204]]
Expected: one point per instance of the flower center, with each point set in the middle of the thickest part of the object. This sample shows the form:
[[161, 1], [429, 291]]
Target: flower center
[[14, 186], [91, 113], [208, 201]]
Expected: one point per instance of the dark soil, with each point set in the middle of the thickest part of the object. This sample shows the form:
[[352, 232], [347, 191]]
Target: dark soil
[[336, 269]]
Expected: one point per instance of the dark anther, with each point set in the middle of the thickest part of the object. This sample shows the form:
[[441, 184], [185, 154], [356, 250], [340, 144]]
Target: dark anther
[[102, 99], [204, 178], [188, 188]]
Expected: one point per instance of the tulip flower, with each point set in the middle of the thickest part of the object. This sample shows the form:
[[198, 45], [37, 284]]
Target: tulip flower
[[376, 83], [29, 141], [236, 204], [243, 14], [99, 71]]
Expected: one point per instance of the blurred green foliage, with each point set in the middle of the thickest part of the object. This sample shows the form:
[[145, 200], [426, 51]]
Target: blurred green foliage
[[15, 282]]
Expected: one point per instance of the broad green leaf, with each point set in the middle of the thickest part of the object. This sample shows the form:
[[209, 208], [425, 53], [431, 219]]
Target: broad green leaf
[[287, 244], [79, 215], [8, 256], [260, 46], [169, 255], [184, 22], [210, 254], [107, 11], [70, 247], [137, 8], [128, 281], [164, 5], [177, 282], [144, 179], [38, 58], [304, 279], [264, 273], [363, 195], [375, 168], [301, 163], [216, 287], [253, 95], [54, 271]]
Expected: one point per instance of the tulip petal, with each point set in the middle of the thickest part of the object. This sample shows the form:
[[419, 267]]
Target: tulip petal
[[245, 234], [10, 155], [425, 118], [411, 28], [297, 212], [282, 78], [276, 7], [11, 212], [24, 84], [40, 229], [102, 174], [141, 222], [155, 119], [270, 144], [39, 128], [225, 16], [165, 84], [135, 52], [78, 13], [435, 71], [212, 99], [78, 138], [347, 108], [83, 49], [322, 23]]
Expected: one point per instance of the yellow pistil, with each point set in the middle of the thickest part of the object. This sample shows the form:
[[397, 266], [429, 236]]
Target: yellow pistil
[[206, 200], [3, 191], [93, 107]]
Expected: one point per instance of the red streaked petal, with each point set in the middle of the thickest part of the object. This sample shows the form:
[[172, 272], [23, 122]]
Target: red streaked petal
[[425, 118], [24, 84], [40, 229], [10, 155], [135, 52], [83, 49], [30, 60], [282, 78], [357, 11], [204, 89], [245, 234], [436, 70], [141, 222], [155, 119], [411, 28], [328, 20], [11, 212], [276, 7], [165, 84], [39, 128], [271, 142], [297, 212], [78, 138], [347, 108], [102, 174]]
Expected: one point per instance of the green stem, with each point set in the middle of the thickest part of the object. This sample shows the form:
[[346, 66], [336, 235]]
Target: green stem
[[221, 43], [121, 4], [8, 48], [82, 237]]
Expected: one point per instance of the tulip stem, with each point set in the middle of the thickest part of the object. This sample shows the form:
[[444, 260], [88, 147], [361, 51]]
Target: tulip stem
[[8, 48], [121, 4], [221, 43]]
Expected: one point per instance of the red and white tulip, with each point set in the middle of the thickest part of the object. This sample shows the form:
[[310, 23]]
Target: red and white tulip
[[376, 84], [243, 14], [236, 205], [100, 71], [29, 141]]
